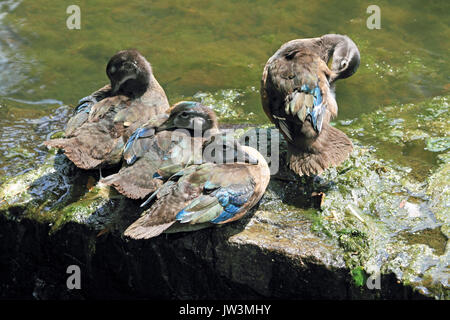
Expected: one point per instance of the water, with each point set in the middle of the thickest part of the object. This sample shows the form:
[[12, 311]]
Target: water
[[205, 50]]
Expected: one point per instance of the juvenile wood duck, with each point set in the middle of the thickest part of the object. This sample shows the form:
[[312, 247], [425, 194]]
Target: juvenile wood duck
[[103, 121], [157, 150], [297, 93], [216, 192]]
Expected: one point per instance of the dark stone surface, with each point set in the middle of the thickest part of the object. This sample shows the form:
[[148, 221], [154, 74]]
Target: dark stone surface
[[207, 264], [56, 216]]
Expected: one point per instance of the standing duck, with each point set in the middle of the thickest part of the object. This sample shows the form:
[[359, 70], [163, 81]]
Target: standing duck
[[103, 121], [297, 93], [215, 192], [156, 151]]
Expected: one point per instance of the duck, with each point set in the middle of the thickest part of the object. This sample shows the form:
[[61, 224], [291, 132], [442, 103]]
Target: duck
[[298, 96], [220, 190], [156, 150], [103, 121]]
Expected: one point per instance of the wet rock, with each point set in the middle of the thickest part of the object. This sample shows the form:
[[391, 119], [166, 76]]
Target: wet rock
[[53, 218], [380, 233]]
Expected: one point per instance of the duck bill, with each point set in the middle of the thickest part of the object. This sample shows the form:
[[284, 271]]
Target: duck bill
[[168, 124], [115, 87]]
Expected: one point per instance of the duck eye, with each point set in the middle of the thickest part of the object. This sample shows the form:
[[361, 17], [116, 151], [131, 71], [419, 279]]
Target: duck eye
[[184, 115], [343, 64], [112, 70]]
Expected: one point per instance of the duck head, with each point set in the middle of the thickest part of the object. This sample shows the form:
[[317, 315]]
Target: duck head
[[222, 148], [129, 72], [345, 53], [192, 116]]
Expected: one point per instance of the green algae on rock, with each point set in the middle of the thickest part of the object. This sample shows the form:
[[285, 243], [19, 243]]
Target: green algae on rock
[[57, 193], [376, 218], [414, 135], [373, 210], [398, 211], [229, 104]]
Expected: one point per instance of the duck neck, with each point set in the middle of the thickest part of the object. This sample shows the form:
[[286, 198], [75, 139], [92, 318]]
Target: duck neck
[[329, 44]]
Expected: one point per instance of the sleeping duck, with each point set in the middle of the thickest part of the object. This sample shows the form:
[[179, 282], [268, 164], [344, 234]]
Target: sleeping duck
[[103, 121], [297, 93], [219, 191], [156, 151]]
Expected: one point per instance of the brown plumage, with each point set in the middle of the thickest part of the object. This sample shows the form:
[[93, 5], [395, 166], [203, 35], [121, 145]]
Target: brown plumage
[[205, 195], [103, 121], [297, 93], [163, 149], [329, 148]]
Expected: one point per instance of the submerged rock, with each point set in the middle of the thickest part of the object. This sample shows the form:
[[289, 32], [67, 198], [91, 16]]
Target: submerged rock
[[379, 233]]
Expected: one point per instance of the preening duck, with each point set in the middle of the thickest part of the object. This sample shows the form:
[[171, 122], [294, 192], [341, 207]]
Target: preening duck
[[103, 121], [297, 93]]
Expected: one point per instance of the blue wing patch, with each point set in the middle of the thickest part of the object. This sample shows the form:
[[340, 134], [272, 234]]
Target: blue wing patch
[[317, 96], [136, 135], [304, 88], [181, 214], [156, 175], [228, 213], [219, 204], [231, 200], [84, 107], [319, 108]]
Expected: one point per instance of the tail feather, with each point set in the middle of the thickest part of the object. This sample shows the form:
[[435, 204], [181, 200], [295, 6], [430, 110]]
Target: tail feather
[[330, 148], [75, 153], [136, 181], [139, 231]]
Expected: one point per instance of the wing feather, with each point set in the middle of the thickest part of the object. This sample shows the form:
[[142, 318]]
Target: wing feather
[[295, 89]]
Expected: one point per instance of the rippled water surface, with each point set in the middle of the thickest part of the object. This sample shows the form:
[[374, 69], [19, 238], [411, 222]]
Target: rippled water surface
[[213, 51]]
